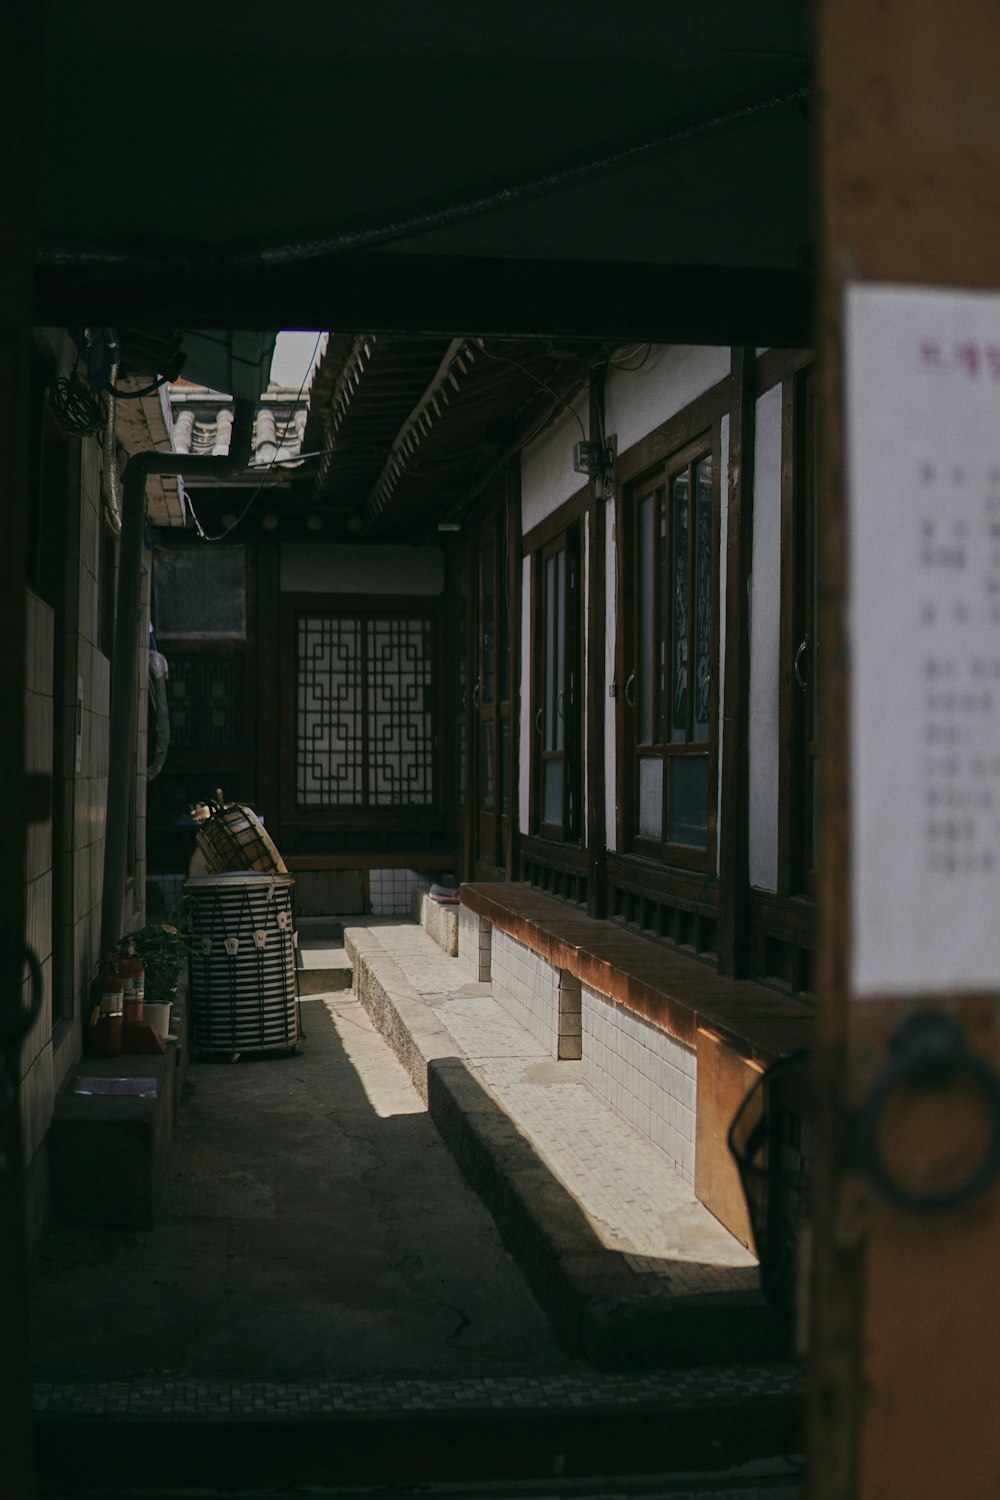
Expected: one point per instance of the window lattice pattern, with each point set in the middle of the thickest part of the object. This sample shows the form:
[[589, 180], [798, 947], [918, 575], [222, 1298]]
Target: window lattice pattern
[[364, 723], [399, 704], [329, 738], [205, 694]]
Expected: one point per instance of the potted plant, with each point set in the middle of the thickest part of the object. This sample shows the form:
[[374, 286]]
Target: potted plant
[[163, 948]]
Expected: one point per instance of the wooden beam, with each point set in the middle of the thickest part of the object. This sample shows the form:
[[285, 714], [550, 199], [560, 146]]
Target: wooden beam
[[622, 301]]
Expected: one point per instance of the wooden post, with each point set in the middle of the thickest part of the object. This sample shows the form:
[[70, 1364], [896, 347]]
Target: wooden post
[[595, 698], [20, 91], [734, 832], [903, 1370]]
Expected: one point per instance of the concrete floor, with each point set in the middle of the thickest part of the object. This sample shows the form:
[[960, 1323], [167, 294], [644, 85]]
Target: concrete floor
[[313, 1225]]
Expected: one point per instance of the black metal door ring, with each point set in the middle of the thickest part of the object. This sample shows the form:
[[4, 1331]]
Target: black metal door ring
[[929, 1052]]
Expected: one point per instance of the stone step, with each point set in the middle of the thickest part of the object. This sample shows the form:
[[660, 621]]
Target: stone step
[[323, 963]]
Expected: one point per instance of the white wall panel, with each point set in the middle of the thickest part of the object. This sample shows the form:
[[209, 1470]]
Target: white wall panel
[[322, 569], [765, 642], [524, 740], [637, 401], [547, 474]]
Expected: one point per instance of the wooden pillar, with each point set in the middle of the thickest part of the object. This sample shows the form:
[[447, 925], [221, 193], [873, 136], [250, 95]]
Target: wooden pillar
[[595, 699], [734, 830], [512, 583], [20, 90], [904, 1383]]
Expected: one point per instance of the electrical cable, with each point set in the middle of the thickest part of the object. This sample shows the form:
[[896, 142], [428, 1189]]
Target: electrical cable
[[147, 390], [630, 369], [542, 385], [111, 489], [74, 406]]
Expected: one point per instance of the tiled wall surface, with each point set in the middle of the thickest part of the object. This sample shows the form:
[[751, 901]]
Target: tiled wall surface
[[391, 891], [474, 945], [644, 1074], [528, 990], [570, 1017], [36, 1052], [54, 1045]]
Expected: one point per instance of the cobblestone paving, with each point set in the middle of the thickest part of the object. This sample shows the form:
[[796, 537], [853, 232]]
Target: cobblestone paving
[[141, 1398], [636, 1200]]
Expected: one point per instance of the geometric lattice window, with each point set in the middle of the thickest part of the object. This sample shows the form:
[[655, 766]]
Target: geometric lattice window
[[364, 722], [205, 695]]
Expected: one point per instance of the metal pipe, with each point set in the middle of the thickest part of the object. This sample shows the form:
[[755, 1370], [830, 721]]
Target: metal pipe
[[128, 636]]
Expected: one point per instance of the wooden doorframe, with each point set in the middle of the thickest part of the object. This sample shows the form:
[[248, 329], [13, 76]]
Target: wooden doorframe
[[903, 1305], [20, 89]]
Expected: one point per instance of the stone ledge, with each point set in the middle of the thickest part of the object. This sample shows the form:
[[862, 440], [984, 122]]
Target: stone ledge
[[438, 921], [108, 1154], [597, 1303]]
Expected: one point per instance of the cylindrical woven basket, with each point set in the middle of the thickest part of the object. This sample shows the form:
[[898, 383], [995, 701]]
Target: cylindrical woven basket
[[235, 839]]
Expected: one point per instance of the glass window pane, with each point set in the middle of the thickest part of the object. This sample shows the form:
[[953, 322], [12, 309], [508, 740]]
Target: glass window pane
[[688, 800], [552, 808], [548, 737], [651, 797], [646, 645], [200, 593], [702, 598], [680, 607], [559, 686], [461, 647]]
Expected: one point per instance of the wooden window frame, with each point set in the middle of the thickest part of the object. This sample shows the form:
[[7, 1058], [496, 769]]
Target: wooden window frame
[[697, 445], [425, 820], [562, 531]]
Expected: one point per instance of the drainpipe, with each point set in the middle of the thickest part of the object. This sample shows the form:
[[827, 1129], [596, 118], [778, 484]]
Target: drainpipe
[[128, 637]]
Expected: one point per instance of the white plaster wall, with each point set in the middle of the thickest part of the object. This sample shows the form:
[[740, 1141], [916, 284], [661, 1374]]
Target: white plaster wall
[[331, 569], [647, 1076], [525, 718], [609, 704], [637, 401], [720, 665], [547, 474], [765, 640]]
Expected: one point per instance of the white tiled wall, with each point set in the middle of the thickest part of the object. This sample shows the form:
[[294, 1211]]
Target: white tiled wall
[[527, 988], [570, 1017], [391, 891], [474, 945], [644, 1074]]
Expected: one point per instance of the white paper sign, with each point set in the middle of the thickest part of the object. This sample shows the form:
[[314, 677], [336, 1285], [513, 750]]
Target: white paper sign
[[923, 474]]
